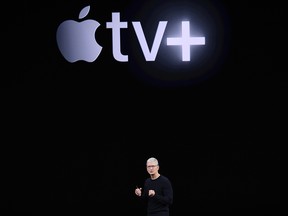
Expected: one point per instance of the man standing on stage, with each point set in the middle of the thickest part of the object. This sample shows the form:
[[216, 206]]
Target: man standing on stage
[[157, 190]]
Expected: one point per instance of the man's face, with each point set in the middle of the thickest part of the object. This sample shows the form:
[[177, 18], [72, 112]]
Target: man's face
[[152, 167]]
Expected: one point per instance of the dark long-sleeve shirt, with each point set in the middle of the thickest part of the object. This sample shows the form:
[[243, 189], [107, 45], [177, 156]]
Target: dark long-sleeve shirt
[[163, 194]]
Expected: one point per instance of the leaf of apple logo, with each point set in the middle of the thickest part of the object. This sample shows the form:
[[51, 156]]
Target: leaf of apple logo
[[76, 40]]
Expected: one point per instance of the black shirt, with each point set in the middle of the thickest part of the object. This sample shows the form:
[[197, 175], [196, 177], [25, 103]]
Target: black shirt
[[163, 194]]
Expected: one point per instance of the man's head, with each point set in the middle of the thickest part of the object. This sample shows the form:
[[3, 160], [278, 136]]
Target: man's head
[[152, 165]]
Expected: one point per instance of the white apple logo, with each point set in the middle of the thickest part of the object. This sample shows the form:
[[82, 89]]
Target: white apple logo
[[76, 40]]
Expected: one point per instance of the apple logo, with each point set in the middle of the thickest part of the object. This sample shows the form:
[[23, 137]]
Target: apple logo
[[76, 40]]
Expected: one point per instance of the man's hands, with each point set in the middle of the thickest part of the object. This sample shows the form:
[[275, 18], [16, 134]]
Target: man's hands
[[138, 192]]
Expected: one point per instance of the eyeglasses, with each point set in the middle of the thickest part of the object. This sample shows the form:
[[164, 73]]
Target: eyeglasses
[[151, 166]]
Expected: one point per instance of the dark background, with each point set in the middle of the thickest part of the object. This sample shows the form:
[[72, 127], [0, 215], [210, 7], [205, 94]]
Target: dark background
[[76, 137]]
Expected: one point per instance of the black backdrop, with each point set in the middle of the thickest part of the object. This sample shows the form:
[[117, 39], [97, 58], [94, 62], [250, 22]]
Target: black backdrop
[[76, 136]]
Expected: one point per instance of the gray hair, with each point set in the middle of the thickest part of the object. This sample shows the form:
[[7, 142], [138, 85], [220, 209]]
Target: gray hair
[[152, 159]]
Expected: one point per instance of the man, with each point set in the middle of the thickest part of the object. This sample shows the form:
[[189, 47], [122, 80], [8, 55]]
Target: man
[[157, 190]]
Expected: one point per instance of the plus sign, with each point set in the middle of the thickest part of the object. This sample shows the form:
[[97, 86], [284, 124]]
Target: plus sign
[[186, 41]]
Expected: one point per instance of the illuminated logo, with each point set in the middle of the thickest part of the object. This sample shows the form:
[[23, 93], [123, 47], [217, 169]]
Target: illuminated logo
[[76, 40]]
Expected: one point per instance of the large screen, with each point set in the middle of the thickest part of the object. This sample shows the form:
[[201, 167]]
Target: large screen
[[91, 89]]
